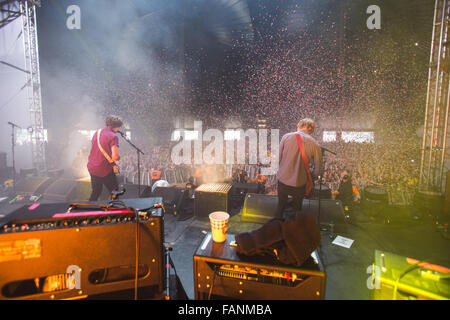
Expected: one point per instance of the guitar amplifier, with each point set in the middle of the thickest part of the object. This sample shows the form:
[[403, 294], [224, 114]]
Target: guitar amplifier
[[401, 278], [220, 273], [49, 253], [212, 197]]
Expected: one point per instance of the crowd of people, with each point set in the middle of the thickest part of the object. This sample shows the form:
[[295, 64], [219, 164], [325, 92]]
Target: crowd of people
[[392, 165]]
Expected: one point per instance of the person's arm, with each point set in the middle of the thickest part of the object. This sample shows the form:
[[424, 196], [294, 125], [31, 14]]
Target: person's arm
[[281, 147], [115, 153], [114, 144], [318, 166]]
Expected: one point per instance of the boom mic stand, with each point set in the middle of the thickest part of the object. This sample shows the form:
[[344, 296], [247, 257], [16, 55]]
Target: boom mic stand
[[320, 192], [13, 144], [139, 152]]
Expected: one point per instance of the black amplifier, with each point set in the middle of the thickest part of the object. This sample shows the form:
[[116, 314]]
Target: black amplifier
[[245, 187], [212, 197], [220, 273], [47, 252]]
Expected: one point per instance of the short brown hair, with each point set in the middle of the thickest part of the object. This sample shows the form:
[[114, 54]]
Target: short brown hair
[[113, 121], [308, 123]]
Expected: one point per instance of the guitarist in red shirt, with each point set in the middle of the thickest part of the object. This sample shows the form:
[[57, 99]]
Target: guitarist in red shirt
[[103, 156]]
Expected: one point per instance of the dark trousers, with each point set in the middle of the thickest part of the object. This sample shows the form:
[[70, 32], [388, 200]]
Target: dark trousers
[[261, 188], [284, 191], [110, 182]]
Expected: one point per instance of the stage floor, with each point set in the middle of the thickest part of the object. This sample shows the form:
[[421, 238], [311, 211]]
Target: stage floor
[[346, 268]]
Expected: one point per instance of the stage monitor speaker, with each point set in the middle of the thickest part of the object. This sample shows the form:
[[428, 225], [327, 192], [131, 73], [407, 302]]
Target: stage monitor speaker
[[429, 204], [325, 193], [72, 190], [220, 273], [376, 193], [245, 187], [31, 185], [80, 254], [55, 173], [173, 198], [260, 208], [131, 191], [146, 192], [375, 201], [212, 197], [331, 211], [25, 173], [240, 190]]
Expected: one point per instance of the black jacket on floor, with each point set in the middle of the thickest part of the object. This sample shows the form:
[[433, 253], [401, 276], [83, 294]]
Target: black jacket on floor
[[291, 240]]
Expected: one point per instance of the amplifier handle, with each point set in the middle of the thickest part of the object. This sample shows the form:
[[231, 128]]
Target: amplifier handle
[[89, 213]]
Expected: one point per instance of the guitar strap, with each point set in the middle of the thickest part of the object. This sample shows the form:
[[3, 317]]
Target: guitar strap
[[305, 161], [116, 170]]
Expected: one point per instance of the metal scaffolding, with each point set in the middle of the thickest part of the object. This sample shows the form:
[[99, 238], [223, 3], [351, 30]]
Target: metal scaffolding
[[437, 104], [30, 45], [9, 11], [12, 10]]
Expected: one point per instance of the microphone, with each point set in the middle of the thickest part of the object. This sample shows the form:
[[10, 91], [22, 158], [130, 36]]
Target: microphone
[[14, 125]]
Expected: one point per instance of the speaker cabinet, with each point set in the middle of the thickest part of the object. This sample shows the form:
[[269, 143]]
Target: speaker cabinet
[[212, 197], [72, 190], [31, 185]]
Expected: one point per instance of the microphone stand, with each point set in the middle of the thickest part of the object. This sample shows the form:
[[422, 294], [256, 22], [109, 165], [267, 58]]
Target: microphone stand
[[13, 143], [325, 149], [320, 192], [139, 152]]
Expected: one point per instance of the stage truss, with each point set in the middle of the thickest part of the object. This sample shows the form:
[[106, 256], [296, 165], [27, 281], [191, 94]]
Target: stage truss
[[437, 104], [27, 10]]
